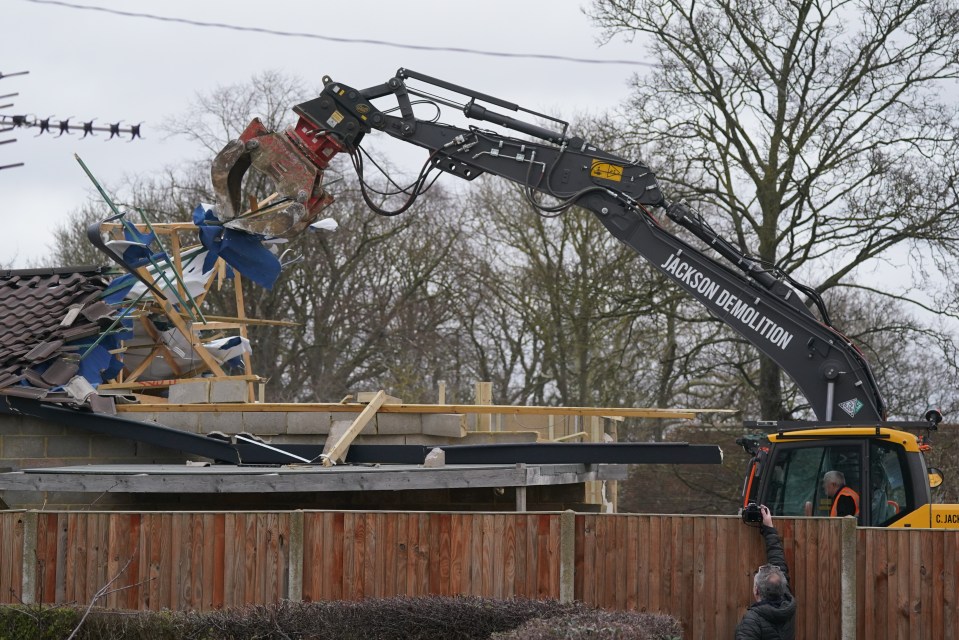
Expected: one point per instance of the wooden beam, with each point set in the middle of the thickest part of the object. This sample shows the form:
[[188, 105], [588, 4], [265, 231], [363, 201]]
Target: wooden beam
[[154, 384], [484, 395], [352, 407], [245, 320], [337, 452]]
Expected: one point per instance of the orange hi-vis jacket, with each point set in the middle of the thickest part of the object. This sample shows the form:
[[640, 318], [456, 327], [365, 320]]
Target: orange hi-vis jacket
[[845, 491]]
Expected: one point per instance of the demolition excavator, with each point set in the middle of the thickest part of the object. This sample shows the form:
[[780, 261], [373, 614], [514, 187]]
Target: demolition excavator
[[787, 321]]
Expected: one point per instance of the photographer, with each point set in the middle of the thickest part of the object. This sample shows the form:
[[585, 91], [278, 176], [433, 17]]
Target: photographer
[[773, 613]]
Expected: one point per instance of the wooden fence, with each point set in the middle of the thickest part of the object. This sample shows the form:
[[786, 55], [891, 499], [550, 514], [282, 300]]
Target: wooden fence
[[901, 583]]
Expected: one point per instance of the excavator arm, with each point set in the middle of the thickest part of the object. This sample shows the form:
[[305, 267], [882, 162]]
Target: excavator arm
[[757, 302]]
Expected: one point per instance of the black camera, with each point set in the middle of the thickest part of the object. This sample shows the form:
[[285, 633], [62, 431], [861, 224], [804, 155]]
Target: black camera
[[752, 514]]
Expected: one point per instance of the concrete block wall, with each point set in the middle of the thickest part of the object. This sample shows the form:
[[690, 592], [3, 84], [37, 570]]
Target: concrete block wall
[[308, 426], [27, 443]]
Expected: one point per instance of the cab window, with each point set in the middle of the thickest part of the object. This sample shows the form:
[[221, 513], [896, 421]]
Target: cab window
[[795, 486], [889, 497]]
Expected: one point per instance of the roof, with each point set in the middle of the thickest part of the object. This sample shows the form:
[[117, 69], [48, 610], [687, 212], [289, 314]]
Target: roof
[[43, 314], [297, 478]]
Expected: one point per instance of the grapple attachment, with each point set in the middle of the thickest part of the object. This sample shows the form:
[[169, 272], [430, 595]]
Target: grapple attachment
[[296, 169]]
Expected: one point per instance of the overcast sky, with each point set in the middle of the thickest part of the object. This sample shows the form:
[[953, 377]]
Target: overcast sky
[[92, 64]]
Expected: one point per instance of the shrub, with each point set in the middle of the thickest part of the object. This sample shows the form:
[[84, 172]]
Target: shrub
[[597, 625], [398, 618]]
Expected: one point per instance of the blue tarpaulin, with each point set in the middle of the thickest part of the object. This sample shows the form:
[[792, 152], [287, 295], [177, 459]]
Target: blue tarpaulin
[[242, 251]]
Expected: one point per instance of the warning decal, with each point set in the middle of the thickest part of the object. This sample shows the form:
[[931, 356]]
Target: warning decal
[[606, 171], [851, 407], [335, 118]]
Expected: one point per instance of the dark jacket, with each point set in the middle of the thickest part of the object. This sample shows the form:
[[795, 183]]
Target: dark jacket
[[770, 620]]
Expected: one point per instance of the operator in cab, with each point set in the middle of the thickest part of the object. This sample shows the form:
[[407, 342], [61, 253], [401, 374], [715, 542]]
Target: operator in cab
[[845, 501]]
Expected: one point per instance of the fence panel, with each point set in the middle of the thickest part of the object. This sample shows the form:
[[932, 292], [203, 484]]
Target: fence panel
[[907, 584], [700, 569], [159, 561], [12, 524], [350, 555], [696, 568]]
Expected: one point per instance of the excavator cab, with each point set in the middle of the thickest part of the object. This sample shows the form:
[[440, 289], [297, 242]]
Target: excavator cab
[[883, 466]]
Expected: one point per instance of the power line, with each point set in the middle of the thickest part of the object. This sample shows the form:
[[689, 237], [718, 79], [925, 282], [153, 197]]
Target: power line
[[317, 36]]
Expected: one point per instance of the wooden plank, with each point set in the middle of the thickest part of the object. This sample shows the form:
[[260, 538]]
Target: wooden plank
[[169, 555], [677, 569], [902, 584], [588, 566], [143, 559], [208, 528], [230, 558], [339, 571], [700, 604], [254, 559], [150, 560], [241, 312], [9, 559], [268, 539], [113, 562], [532, 555], [369, 555], [935, 553], [655, 563], [543, 589], [613, 560], [180, 561], [357, 571], [623, 544], [883, 595], [335, 453], [950, 586], [865, 565], [349, 554], [486, 554], [484, 396], [314, 525], [636, 535], [49, 524], [412, 553], [445, 556], [130, 541], [916, 611], [554, 555], [597, 571], [433, 567], [816, 598], [467, 409], [219, 552], [425, 551], [389, 544], [365, 397], [401, 557], [75, 555], [521, 535], [507, 578]]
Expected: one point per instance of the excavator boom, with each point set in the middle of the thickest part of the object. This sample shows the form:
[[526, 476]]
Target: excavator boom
[[756, 301]]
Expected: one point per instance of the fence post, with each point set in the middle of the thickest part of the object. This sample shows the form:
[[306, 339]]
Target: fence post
[[847, 577], [28, 583], [567, 555], [295, 570]]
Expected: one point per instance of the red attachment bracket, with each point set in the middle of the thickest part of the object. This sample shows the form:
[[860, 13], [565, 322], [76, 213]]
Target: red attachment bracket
[[294, 161]]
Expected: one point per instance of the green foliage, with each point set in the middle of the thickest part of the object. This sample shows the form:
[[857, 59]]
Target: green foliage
[[36, 622]]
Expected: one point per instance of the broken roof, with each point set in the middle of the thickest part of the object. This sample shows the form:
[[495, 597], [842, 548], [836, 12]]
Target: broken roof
[[46, 316]]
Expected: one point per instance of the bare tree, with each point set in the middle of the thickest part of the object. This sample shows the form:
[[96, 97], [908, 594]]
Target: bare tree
[[372, 302], [813, 132]]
